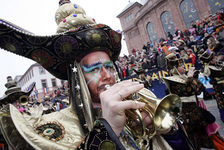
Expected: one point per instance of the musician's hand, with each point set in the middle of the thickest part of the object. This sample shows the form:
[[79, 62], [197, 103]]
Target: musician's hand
[[113, 108], [191, 72]]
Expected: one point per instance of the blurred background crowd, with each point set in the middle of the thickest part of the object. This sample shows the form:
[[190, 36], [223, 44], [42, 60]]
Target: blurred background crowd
[[206, 34], [53, 102]]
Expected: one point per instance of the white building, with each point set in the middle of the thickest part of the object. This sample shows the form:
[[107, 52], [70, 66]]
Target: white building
[[46, 83]]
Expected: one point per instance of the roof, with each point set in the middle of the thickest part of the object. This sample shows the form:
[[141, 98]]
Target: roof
[[127, 7]]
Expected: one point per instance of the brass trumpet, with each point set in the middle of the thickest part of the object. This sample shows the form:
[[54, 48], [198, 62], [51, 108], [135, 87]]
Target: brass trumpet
[[163, 113], [23, 100]]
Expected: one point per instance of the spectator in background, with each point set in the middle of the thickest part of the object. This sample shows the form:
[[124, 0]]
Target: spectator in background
[[154, 60], [191, 41], [180, 44], [142, 78], [165, 48], [169, 35], [130, 70], [186, 33], [220, 15], [183, 55], [213, 45], [191, 56], [161, 60], [146, 65], [132, 59]]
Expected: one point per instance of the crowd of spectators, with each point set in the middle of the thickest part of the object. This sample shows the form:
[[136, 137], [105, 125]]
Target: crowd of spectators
[[207, 33], [54, 101]]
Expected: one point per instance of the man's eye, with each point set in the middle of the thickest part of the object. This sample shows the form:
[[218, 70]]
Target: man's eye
[[95, 70], [110, 68]]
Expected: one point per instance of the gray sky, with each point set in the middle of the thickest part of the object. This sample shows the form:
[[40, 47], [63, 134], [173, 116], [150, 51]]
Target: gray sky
[[37, 16]]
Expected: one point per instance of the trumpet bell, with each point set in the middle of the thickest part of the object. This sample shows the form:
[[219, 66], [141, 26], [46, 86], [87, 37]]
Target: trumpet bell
[[23, 100], [167, 111], [163, 113]]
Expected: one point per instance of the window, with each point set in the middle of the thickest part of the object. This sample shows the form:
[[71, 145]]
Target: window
[[167, 22], [44, 83], [189, 12], [41, 70], [128, 18], [216, 5], [53, 81], [151, 31]]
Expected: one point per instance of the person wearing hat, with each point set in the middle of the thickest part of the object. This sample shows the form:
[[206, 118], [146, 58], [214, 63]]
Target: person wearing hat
[[183, 55], [191, 55], [15, 96], [146, 80], [165, 48], [173, 49], [187, 86], [83, 53], [180, 44], [214, 69], [14, 93]]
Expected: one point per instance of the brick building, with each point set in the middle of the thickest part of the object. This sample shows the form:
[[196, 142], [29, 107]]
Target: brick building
[[150, 20]]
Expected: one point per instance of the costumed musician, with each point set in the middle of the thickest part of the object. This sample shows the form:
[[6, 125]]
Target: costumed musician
[[83, 53], [213, 63], [142, 78], [187, 86]]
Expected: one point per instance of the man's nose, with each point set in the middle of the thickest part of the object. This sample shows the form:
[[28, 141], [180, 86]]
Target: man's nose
[[105, 73]]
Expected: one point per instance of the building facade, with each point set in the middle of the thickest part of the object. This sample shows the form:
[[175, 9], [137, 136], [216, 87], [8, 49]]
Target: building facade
[[150, 20], [46, 83]]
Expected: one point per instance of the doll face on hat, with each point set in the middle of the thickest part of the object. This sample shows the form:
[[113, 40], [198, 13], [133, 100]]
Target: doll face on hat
[[98, 71]]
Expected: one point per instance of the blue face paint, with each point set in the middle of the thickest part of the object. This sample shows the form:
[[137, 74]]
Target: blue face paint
[[95, 69]]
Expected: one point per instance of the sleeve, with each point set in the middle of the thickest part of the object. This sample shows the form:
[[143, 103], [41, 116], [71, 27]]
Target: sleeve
[[177, 138], [101, 137], [195, 86]]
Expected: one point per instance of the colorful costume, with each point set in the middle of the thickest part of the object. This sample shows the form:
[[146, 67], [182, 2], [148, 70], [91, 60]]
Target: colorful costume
[[188, 88], [216, 74], [78, 125], [142, 78]]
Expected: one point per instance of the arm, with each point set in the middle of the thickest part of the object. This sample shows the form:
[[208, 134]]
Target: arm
[[113, 106], [106, 131], [177, 138]]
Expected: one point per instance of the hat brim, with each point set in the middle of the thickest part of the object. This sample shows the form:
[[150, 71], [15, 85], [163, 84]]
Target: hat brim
[[216, 72], [56, 52], [140, 71], [13, 96], [175, 78]]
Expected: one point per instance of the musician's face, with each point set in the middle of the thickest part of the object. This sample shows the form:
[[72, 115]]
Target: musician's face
[[181, 69], [98, 71]]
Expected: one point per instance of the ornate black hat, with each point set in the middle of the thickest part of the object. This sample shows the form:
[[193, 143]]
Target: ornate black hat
[[14, 92], [205, 55], [139, 70], [79, 35], [172, 61]]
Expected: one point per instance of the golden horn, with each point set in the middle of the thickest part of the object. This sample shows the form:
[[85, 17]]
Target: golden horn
[[23, 100], [163, 113]]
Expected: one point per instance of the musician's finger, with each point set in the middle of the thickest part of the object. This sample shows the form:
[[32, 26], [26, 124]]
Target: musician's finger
[[130, 104], [126, 91]]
